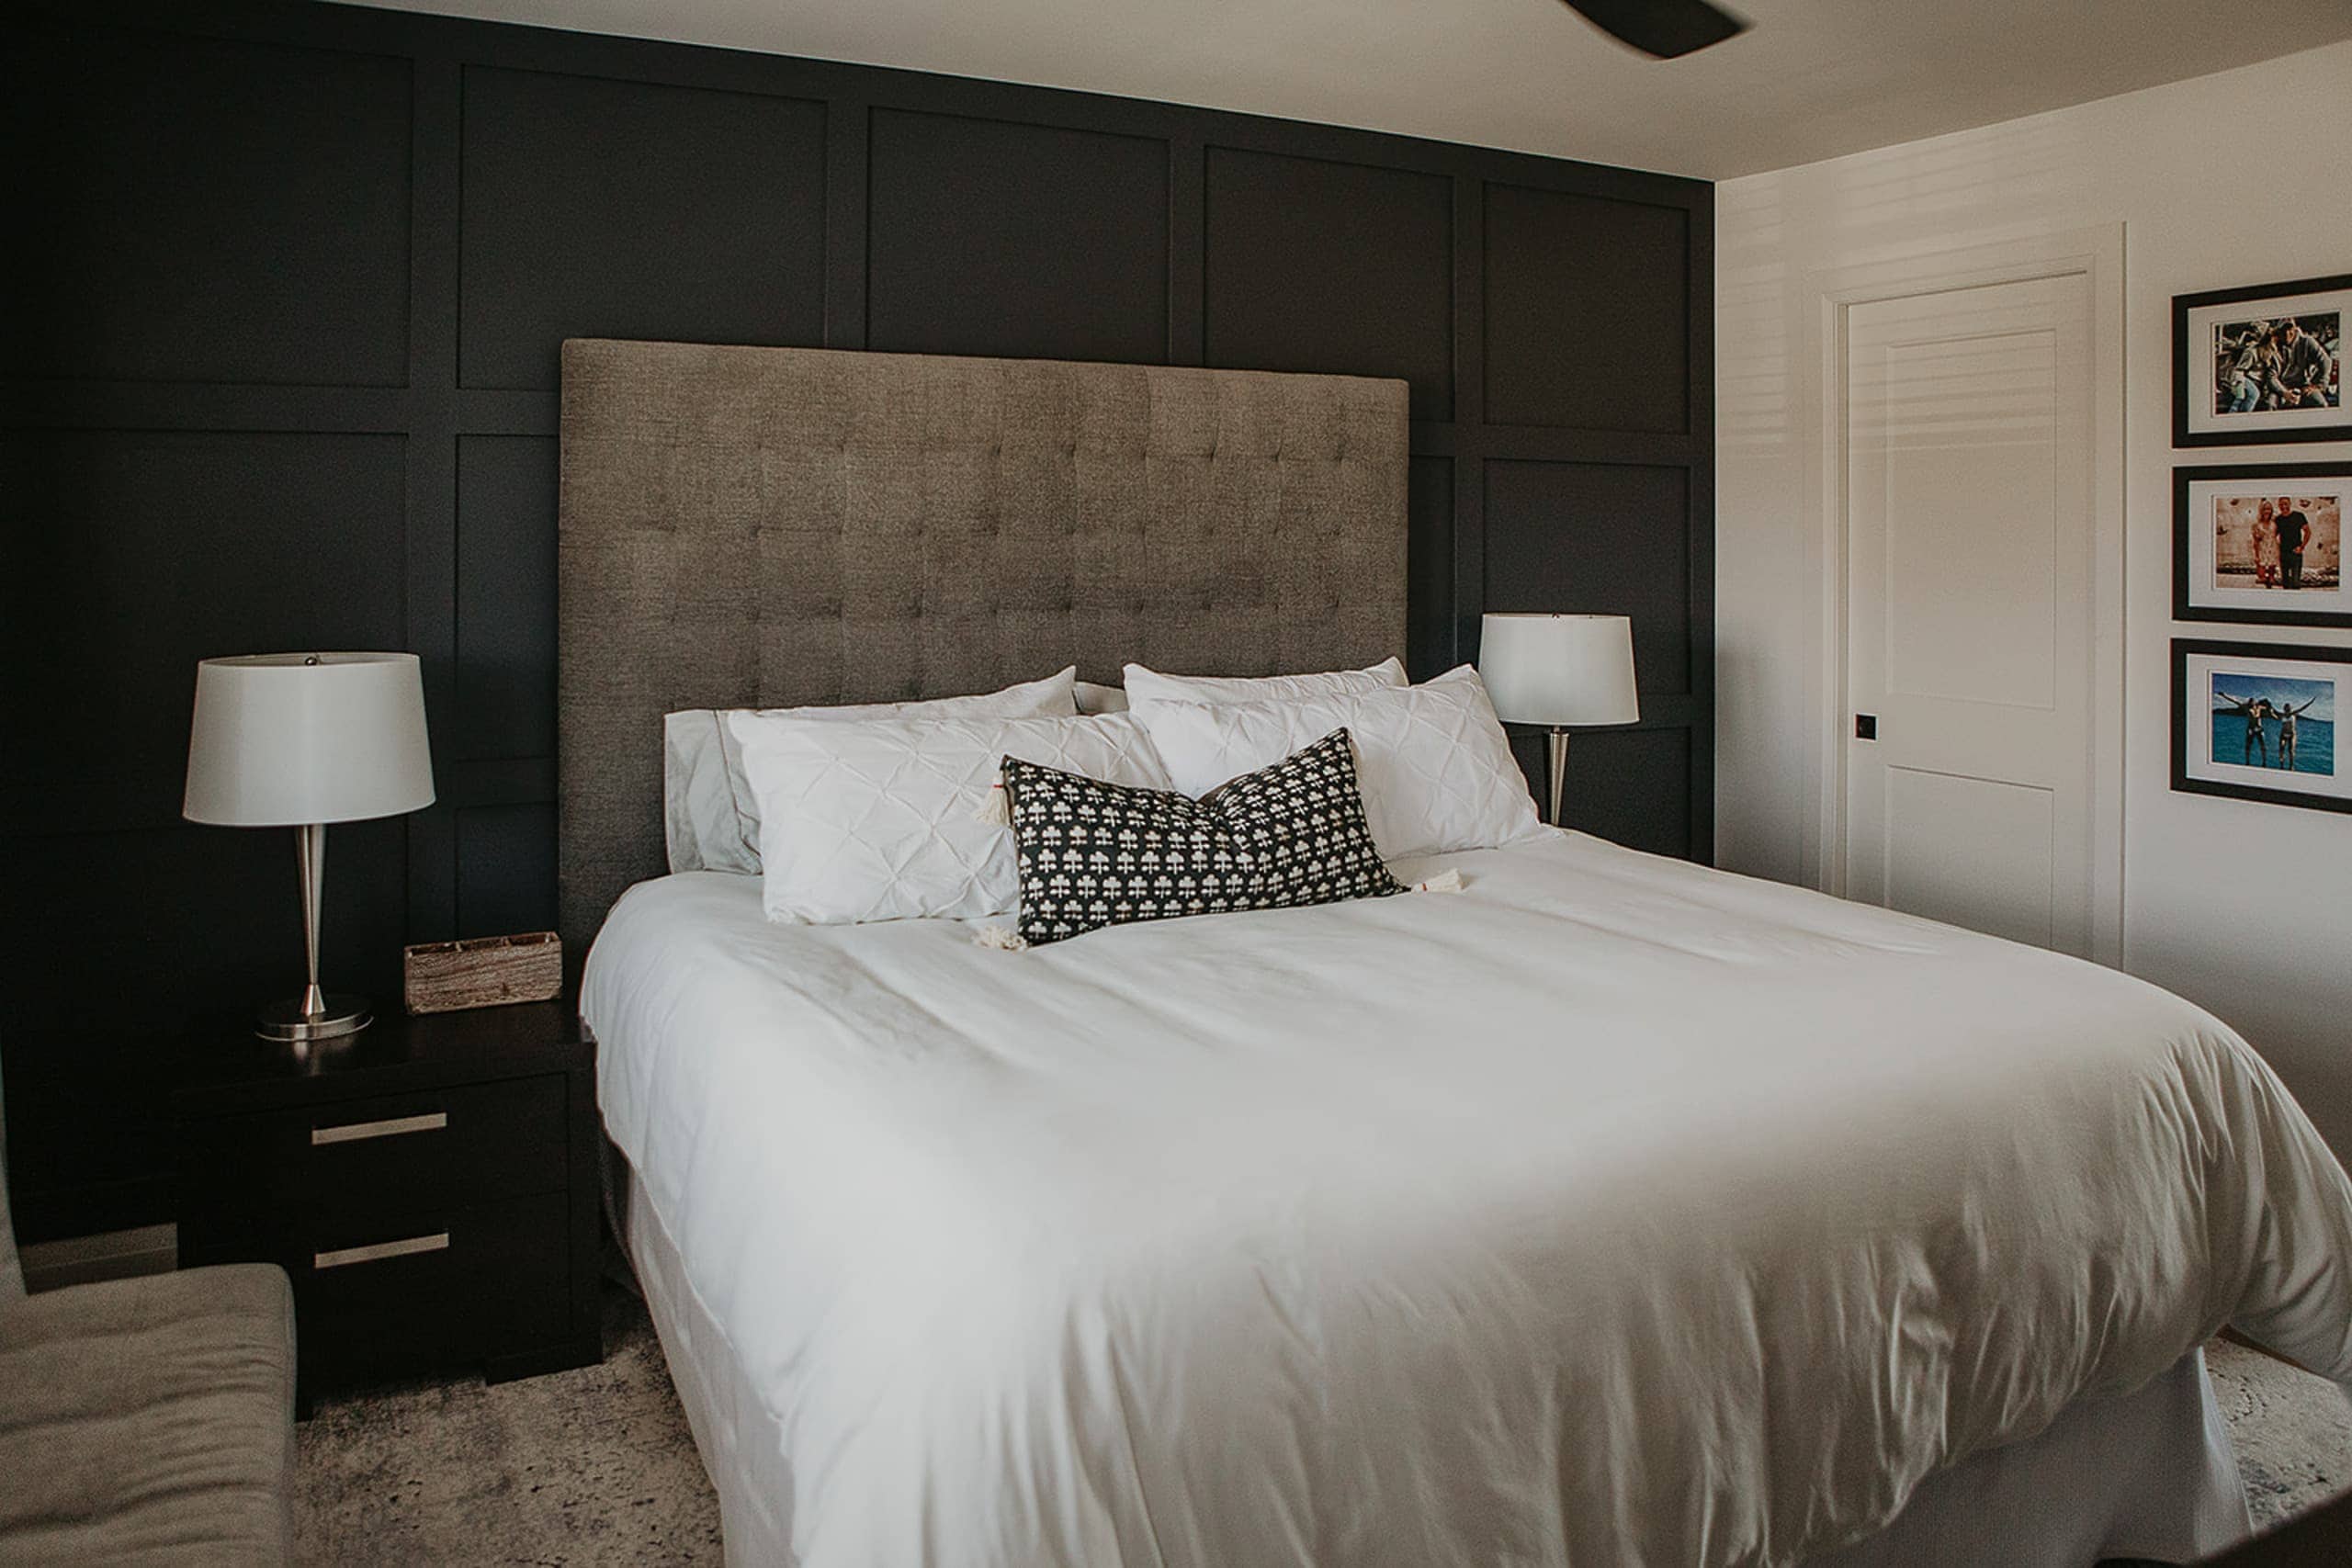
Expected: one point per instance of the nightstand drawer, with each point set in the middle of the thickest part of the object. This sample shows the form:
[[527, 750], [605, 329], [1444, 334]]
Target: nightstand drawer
[[464, 1280], [430, 1288], [383, 1154]]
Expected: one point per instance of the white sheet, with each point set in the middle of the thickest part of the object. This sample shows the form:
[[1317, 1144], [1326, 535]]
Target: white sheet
[[1616, 1211]]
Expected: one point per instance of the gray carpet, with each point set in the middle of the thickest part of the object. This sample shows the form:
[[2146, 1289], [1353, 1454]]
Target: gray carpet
[[596, 1465], [2292, 1431]]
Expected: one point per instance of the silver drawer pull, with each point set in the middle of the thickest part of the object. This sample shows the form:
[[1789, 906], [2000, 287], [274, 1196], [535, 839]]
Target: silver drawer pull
[[438, 1242], [352, 1132]]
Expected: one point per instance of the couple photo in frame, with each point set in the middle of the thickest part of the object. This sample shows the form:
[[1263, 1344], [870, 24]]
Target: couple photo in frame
[[2252, 366], [2258, 721], [2261, 543]]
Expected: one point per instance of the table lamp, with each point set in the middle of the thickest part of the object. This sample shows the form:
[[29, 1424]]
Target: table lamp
[[300, 740], [1559, 671]]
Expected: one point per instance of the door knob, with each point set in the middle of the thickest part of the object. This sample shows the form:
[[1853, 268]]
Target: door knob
[[1866, 726]]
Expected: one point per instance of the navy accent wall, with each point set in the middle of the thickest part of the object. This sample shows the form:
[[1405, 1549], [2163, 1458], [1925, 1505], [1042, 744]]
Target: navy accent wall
[[284, 300]]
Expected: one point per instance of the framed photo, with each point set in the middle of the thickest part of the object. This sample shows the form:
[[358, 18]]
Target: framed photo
[[2254, 366], [2261, 543], [2256, 720]]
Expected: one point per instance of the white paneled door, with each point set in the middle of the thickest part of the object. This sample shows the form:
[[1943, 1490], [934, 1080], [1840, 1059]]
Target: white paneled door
[[1969, 608]]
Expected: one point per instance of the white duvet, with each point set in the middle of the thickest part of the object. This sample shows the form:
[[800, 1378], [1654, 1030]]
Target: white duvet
[[1614, 1212]]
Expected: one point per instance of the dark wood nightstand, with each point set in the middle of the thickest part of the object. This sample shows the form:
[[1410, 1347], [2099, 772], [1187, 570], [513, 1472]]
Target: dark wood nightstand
[[430, 1187]]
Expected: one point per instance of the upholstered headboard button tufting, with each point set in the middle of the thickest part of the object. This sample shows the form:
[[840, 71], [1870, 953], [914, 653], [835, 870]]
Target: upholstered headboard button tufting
[[775, 526]]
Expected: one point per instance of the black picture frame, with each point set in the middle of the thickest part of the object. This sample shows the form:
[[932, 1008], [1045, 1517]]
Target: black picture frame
[[2283, 615], [2338, 429], [2182, 647]]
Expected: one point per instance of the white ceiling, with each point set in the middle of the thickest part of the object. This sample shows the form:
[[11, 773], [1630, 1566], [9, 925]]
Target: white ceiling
[[1812, 79]]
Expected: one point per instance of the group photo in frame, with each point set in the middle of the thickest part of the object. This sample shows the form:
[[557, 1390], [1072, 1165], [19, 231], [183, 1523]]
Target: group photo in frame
[[2252, 366], [2258, 721], [2261, 543]]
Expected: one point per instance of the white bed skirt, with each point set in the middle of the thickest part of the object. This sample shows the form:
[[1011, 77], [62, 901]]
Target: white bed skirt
[[2150, 1476]]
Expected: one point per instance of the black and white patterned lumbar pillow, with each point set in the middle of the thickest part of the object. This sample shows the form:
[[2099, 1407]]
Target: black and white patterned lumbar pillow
[[1094, 854]]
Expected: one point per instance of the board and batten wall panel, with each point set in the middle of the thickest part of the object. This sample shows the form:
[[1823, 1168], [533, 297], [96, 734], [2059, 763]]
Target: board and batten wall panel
[[593, 207], [1341, 268], [992, 237], [282, 373]]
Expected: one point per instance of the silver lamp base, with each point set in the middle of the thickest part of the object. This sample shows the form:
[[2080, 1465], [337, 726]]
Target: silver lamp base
[[1558, 759], [314, 1015], [334, 1016]]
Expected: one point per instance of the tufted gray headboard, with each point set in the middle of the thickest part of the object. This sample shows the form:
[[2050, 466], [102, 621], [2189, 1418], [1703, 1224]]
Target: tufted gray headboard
[[766, 527]]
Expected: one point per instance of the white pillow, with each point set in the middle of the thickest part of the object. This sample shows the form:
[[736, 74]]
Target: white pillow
[[1147, 686], [1436, 768], [1095, 697], [707, 813], [880, 821]]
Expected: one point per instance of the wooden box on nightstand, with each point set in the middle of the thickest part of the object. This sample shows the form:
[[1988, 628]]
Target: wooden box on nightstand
[[429, 1185]]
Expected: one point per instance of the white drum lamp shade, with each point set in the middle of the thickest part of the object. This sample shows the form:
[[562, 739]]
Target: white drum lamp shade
[[300, 740], [1559, 670], [283, 740]]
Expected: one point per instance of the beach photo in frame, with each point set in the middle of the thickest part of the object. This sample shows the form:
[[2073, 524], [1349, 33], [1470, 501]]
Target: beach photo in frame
[[2258, 721], [2261, 365], [2261, 543]]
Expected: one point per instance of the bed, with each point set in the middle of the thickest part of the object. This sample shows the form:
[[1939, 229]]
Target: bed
[[1617, 1211]]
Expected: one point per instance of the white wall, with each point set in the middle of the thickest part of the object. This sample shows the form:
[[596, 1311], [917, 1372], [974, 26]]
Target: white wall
[[2243, 177]]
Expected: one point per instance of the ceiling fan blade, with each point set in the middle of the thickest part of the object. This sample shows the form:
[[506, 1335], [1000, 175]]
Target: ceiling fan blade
[[1662, 27]]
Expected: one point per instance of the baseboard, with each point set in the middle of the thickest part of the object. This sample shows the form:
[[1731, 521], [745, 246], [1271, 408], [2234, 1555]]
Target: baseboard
[[110, 1255]]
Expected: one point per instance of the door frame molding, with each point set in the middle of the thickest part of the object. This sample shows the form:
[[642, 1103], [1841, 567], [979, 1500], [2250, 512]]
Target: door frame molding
[[2096, 253]]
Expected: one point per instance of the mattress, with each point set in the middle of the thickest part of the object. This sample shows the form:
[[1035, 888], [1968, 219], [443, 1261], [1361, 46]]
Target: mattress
[[1613, 1211]]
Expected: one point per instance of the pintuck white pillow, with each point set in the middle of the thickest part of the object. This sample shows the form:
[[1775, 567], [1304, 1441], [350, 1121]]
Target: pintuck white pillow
[[709, 816], [1147, 686], [1437, 771], [880, 821], [1095, 697]]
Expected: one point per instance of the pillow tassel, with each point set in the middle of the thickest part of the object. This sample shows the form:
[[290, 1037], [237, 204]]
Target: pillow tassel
[[993, 808], [1004, 939], [1443, 882]]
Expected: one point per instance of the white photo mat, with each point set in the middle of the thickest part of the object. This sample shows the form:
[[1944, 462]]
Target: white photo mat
[[2208, 422], [2320, 773], [2257, 589]]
